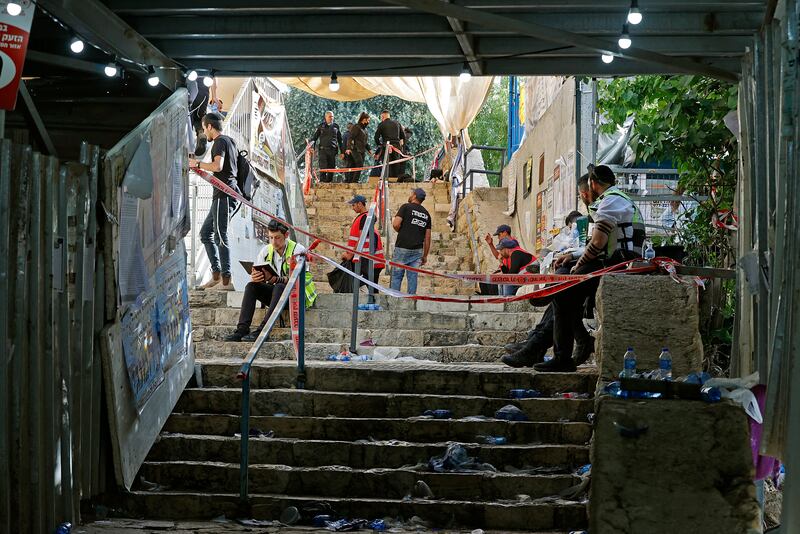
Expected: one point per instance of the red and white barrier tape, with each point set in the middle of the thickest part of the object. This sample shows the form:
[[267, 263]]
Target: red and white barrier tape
[[401, 160]]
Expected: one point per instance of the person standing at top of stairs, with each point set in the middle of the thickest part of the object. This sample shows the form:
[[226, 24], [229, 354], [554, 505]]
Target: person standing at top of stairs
[[390, 131], [413, 226], [356, 148], [328, 138]]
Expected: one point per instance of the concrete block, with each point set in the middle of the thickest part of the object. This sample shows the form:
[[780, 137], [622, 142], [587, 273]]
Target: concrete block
[[689, 470], [647, 313]]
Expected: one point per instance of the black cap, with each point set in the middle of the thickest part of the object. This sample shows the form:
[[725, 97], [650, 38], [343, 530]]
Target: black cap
[[507, 243], [356, 199], [503, 228], [419, 193]]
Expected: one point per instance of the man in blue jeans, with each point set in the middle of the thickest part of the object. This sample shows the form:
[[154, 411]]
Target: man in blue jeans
[[413, 226], [214, 232]]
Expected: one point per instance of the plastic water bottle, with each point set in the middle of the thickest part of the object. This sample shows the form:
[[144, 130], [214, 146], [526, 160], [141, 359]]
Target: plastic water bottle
[[649, 253], [439, 414], [369, 307], [64, 528], [711, 394], [582, 470], [524, 394], [492, 440], [629, 363], [575, 239], [665, 364]]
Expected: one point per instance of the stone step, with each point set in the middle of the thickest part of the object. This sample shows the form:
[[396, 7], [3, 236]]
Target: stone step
[[351, 429], [397, 319], [357, 455], [341, 481], [381, 337], [504, 516], [305, 403], [490, 380], [283, 350]]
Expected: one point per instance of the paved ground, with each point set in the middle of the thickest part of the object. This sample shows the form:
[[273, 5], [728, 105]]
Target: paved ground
[[133, 526]]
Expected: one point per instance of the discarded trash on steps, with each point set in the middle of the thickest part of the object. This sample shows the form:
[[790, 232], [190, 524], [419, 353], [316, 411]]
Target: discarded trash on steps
[[491, 440], [524, 394], [455, 459], [438, 414], [420, 491], [509, 412], [256, 433]]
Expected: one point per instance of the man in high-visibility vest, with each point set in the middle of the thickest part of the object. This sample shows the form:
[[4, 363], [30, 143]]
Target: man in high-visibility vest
[[359, 205], [618, 236], [513, 260], [267, 287]]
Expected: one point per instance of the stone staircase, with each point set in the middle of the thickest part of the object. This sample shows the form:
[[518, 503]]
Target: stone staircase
[[330, 217], [354, 438]]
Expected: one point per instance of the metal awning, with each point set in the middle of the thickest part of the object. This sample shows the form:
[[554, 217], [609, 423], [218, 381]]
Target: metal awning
[[434, 37]]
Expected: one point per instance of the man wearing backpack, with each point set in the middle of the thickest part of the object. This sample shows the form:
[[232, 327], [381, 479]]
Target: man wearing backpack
[[214, 232]]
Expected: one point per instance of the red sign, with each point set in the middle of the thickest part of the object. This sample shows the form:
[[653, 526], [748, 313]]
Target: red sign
[[14, 36]]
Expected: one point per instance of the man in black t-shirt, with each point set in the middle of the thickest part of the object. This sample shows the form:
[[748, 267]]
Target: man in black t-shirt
[[413, 226], [214, 232]]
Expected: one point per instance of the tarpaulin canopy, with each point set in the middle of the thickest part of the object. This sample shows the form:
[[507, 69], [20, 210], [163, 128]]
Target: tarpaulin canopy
[[453, 102]]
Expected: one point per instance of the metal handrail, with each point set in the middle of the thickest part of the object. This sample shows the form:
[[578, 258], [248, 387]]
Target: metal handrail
[[298, 277], [472, 172], [366, 234]]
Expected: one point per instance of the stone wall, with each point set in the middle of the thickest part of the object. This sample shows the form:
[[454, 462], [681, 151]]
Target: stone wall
[[647, 313], [480, 213], [689, 469]]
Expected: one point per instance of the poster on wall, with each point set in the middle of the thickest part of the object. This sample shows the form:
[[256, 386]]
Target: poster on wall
[[14, 36], [172, 302], [267, 150], [539, 223], [527, 177], [141, 348]]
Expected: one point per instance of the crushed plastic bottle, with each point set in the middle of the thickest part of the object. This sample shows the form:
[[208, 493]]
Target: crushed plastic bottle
[[341, 357], [439, 414], [582, 470], [492, 440], [697, 378], [509, 412], [711, 394], [629, 363], [524, 394], [665, 364], [321, 520], [369, 307], [649, 252], [377, 525], [64, 528], [571, 395]]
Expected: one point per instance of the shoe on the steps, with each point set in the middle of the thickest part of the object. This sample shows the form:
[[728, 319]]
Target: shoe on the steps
[[225, 284], [582, 351], [529, 355], [200, 146], [556, 366], [252, 336], [216, 278], [511, 348], [236, 336]]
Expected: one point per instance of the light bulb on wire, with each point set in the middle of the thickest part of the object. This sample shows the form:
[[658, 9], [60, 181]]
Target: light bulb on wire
[[334, 83], [634, 15], [607, 58], [152, 79], [624, 38], [466, 74], [13, 9], [208, 81], [192, 76], [111, 70], [76, 45]]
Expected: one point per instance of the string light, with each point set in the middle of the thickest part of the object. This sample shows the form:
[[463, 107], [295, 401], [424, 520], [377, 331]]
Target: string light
[[192, 75], [153, 78], [76, 45], [13, 9], [624, 38], [208, 81], [334, 84], [607, 58], [634, 15], [466, 74]]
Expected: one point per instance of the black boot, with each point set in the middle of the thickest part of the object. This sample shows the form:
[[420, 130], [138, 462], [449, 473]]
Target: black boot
[[511, 348], [582, 351], [556, 366], [236, 336], [530, 354], [252, 336]]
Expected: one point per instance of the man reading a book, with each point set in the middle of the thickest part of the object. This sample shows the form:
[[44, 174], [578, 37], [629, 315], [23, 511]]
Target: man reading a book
[[268, 277]]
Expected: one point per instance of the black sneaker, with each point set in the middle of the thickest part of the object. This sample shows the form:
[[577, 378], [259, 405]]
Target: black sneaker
[[556, 366], [528, 356], [235, 336], [252, 336], [582, 351], [511, 348], [200, 146]]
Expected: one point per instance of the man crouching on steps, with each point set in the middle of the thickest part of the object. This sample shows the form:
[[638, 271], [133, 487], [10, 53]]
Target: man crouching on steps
[[278, 255]]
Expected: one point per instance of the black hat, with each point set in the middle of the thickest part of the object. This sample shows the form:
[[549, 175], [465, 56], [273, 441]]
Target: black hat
[[503, 228], [356, 199]]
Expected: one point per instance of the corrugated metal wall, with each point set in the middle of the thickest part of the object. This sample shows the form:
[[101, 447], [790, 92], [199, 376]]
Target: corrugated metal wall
[[50, 375]]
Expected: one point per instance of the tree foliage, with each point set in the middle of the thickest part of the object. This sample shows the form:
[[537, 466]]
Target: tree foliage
[[491, 125], [305, 111], [679, 119]]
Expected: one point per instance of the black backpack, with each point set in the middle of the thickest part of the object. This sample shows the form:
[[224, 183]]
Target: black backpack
[[245, 178]]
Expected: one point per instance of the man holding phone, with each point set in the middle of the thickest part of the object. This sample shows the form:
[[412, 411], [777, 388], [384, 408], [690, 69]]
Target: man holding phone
[[268, 278]]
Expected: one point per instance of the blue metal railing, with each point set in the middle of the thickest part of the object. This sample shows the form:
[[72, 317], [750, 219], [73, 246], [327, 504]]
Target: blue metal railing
[[298, 277]]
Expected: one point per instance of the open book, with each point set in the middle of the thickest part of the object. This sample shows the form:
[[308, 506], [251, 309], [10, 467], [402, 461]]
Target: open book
[[269, 272]]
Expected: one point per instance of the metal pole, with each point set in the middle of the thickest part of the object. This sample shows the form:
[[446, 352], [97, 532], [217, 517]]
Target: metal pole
[[372, 244], [385, 216], [244, 460], [760, 209], [193, 226], [5, 291], [301, 326]]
